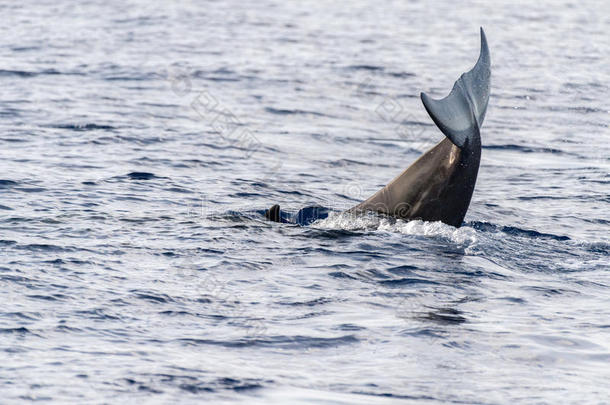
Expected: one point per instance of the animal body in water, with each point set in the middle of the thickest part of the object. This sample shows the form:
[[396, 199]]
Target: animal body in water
[[439, 185]]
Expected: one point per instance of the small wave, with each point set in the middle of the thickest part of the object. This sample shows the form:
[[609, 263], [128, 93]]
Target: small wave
[[222, 383], [104, 140], [193, 385], [374, 222], [18, 73], [401, 75], [45, 247], [597, 247], [83, 127], [141, 176], [406, 281], [370, 68], [341, 274], [142, 387], [239, 385], [222, 79], [284, 342], [443, 316], [28, 316], [512, 230], [152, 297], [24, 48], [51, 297], [11, 112], [311, 303], [32, 189], [524, 149], [19, 331], [97, 314], [7, 183], [283, 111], [578, 109], [24, 73]]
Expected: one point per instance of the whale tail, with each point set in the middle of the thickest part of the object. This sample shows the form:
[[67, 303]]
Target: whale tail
[[460, 115]]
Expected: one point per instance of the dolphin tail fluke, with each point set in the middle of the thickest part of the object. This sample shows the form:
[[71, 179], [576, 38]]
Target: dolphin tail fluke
[[460, 115]]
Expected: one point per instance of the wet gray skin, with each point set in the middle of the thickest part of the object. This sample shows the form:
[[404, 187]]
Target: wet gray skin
[[439, 185]]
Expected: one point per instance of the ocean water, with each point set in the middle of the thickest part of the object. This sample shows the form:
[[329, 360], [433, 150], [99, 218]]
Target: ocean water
[[140, 140]]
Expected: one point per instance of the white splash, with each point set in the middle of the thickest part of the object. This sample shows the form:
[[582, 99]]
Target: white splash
[[373, 222]]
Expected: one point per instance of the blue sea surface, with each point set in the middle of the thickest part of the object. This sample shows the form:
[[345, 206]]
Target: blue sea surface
[[141, 140]]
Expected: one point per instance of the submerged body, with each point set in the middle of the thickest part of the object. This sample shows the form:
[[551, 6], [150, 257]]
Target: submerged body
[[304, 216], [439, 185]]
